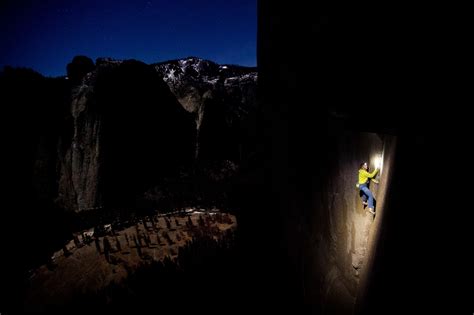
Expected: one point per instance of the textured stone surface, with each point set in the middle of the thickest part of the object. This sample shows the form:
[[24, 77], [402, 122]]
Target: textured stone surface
[[80, 162], [339, 231]]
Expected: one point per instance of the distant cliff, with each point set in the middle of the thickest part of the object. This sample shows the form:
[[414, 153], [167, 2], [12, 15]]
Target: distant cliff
[[126, 128], [110, 130]]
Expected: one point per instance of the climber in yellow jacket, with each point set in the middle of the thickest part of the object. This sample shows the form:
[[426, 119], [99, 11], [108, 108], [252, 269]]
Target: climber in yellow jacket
[[364, 179]]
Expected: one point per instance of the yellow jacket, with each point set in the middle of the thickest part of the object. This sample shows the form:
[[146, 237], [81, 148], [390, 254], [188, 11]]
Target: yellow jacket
[[364, 176]]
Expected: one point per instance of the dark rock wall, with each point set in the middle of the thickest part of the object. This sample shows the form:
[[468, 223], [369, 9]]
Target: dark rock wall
[[34, 109], [334, 233], [368, 71], [126, 129]]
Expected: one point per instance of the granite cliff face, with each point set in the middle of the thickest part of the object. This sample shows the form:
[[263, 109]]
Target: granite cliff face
[[335, 232], [79, 152], [362, 88], [125, 129]]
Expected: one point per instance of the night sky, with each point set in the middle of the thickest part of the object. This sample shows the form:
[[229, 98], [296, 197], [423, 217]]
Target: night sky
[[46, 35]]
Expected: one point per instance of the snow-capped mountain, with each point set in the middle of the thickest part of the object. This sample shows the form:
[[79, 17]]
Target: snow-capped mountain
[[204, 71], [193, 80], [222, 97]]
